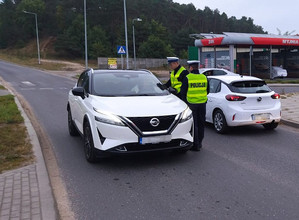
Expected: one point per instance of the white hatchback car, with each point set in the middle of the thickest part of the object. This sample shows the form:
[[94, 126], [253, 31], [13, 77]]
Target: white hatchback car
[[216, 72], [241, 100], [125, 111]]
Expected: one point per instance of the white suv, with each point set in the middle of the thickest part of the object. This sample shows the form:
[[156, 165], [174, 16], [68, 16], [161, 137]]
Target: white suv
[[123, 111]]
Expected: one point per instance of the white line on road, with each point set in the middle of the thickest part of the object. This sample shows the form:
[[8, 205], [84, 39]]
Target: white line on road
[[28, 83], [46, 88]]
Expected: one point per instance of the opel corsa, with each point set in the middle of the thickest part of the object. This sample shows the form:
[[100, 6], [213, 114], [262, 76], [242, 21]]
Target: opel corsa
[[126, 111], [241, 100]]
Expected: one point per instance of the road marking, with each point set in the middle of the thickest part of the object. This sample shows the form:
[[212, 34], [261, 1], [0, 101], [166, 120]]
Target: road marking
[[28, 88], [46, 88], [28, 83]]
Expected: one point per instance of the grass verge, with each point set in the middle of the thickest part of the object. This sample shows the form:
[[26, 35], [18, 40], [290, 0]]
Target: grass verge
[[15, 146], [282, 81]]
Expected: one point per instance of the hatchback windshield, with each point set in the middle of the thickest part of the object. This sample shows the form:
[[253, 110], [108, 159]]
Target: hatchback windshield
[[250, 87], [126, 84]]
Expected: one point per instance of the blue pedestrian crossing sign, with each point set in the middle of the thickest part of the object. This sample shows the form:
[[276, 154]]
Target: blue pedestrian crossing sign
[[121, 50]]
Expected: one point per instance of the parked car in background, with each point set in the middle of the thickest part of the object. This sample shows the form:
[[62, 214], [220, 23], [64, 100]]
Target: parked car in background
[[216, 72], [241, 100], [126, 111], [278, 72]]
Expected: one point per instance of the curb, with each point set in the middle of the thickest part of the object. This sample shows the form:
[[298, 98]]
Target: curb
[[46, 195], [290, 123]]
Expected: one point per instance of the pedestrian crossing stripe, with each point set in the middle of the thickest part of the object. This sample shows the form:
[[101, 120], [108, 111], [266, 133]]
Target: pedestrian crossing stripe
[[121, 50]]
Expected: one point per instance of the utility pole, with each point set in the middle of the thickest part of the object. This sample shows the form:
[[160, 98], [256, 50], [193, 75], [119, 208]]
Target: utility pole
[[37, 38]]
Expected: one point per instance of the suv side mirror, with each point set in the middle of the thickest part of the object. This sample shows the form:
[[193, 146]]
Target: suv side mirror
[[79, 91]]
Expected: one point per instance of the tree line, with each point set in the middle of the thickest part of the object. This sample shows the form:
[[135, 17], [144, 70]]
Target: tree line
[[163, 31]]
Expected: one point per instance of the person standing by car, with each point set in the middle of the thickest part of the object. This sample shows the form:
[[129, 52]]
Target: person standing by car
[[194, 92], [177, 75]]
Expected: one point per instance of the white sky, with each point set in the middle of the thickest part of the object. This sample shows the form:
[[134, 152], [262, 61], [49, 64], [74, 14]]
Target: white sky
[[270, 14]]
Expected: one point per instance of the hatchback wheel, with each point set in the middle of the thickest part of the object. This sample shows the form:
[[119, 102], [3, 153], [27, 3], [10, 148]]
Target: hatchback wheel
[[71, 126], [219, 122], [89, 149], [270, 126]]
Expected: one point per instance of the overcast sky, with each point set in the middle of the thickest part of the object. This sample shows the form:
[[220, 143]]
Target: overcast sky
[[270, 14]]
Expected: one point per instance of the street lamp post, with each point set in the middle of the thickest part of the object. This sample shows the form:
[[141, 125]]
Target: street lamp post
[[37, 39], [85, 35], [135, 19], [126, 33]]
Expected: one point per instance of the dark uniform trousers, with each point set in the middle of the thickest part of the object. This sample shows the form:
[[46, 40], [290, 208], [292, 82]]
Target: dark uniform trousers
[[199, 118]]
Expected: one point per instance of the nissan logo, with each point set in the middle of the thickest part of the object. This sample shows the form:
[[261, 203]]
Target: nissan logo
[[154, 122], [259, 99]]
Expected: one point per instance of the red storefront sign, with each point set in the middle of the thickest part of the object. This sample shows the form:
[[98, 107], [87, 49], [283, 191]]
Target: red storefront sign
[[212, 41], [275, 41]]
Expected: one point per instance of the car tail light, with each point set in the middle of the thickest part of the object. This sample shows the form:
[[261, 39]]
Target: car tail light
[[235, 98], [275, 96]]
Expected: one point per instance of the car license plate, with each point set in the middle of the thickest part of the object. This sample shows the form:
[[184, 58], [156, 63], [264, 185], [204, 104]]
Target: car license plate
[[155, 139], [260, 117]]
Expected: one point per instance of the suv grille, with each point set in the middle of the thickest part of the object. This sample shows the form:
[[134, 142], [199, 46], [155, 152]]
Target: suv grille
[[144, 125]]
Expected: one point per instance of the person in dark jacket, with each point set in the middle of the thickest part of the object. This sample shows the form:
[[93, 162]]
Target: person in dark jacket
[[177, 75], [194, 92]]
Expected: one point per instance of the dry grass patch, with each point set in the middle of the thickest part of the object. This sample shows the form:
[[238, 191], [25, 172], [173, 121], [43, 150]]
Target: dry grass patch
[[31, 62], [15, 146]]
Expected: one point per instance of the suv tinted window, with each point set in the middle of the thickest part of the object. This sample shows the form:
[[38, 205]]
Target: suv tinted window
[[214, 85], [250, 87], [126, 84]]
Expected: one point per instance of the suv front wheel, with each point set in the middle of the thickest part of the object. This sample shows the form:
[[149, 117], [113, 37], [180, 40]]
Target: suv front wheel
[[89, 150]]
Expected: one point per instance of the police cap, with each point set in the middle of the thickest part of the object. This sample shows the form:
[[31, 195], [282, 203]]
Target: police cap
[[193, 62], [172, 59]]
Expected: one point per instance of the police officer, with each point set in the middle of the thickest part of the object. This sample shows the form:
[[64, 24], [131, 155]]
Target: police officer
[[177, 74], [194, 92]]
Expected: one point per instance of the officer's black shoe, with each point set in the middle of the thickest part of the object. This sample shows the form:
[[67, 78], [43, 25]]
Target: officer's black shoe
[[196, 148]]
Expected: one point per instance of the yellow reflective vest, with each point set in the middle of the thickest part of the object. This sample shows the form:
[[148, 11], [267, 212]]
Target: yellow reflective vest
[[175, 83], [197, 88]]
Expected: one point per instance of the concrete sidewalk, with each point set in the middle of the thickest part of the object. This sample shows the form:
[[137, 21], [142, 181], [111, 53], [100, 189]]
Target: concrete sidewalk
[[290, 109], [26, 193]]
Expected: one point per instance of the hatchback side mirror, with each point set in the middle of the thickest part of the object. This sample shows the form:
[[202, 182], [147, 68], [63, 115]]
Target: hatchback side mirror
[[79, 91]]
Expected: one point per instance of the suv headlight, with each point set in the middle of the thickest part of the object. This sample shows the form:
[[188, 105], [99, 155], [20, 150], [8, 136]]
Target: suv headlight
[[186, 115], [108, 118]]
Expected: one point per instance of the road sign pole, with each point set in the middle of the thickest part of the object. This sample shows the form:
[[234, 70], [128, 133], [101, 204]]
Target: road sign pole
[[126, 33]]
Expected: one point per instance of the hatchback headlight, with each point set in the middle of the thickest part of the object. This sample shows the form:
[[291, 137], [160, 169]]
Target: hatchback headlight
[[186, 115], [108, 118]]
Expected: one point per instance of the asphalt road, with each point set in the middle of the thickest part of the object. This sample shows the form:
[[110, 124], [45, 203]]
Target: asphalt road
[[249, 173]]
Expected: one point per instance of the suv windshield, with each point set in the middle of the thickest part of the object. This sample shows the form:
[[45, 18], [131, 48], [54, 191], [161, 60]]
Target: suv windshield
[[126, 84], [250, 87]]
